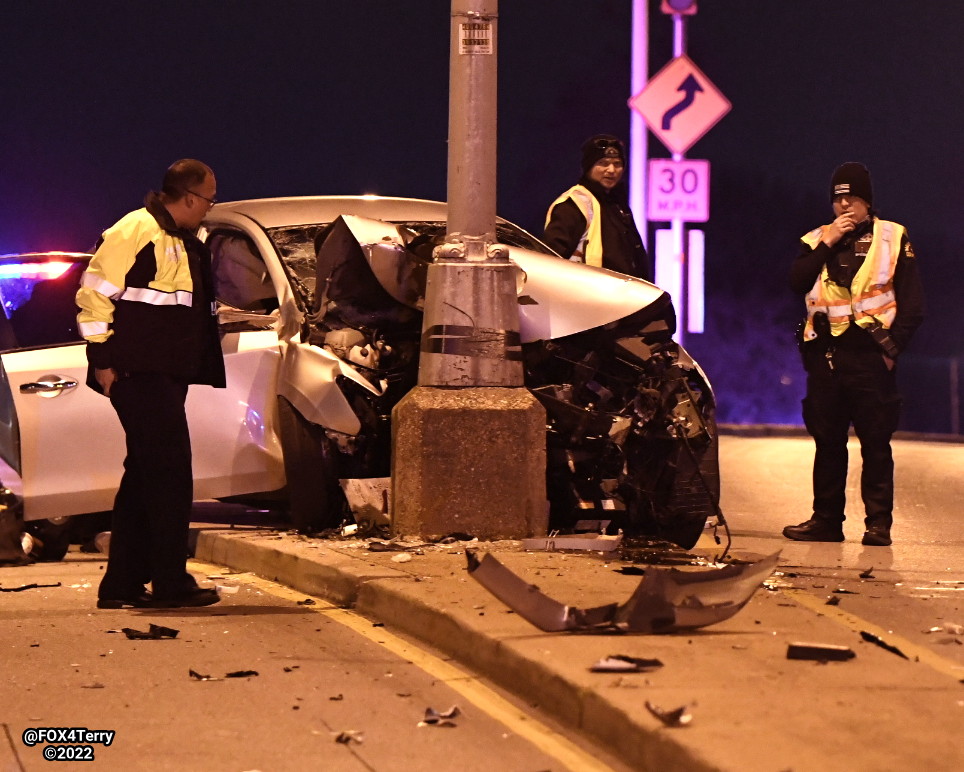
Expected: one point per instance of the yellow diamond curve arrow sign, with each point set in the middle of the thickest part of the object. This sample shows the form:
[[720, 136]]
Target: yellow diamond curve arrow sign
[[680, 104]]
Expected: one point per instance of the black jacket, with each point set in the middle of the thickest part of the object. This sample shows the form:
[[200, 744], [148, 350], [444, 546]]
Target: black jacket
[[133, 327], [623, 248]]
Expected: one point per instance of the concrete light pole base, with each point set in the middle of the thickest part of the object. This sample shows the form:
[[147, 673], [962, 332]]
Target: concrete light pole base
[[469, 460]]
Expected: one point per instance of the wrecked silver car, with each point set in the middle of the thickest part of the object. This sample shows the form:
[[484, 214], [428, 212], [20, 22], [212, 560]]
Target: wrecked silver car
[[631, 430], [319, 309]]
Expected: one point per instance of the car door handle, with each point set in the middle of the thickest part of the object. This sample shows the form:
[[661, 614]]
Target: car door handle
[[54, 384]]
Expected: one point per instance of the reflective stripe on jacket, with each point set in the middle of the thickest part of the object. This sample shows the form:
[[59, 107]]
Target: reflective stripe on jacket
[[589, 250], [870, 296], [106, 279]]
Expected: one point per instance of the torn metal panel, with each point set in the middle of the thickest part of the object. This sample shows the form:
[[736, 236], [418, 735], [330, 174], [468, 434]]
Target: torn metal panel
[[666, 600]]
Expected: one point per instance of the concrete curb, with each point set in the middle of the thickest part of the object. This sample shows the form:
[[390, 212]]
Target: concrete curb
[[510, 659]]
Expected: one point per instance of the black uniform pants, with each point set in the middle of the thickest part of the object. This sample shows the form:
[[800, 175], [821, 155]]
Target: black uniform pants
[[152, 509], [851, 387]]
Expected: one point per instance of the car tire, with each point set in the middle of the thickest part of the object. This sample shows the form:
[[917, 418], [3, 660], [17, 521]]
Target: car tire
[[50, 538], [315, 498]]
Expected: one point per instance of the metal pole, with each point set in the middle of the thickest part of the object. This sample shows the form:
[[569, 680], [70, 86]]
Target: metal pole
[[676, 225], [638, 149], [470, 334]]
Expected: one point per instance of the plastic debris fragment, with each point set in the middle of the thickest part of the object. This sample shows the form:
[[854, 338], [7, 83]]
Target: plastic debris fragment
[[877, 640], [820, 652], [31, 586], [620, 663], [443, 719], [678, 717], [666, 600], [153, 633]]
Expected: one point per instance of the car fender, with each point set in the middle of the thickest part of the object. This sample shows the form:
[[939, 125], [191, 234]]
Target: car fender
[[308, 381]]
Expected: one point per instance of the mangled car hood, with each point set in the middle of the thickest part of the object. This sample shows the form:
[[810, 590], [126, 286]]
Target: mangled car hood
[[548, 307]]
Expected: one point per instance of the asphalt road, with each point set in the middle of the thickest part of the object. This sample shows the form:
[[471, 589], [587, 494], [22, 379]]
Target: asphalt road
[[326, 692], [884, 710]]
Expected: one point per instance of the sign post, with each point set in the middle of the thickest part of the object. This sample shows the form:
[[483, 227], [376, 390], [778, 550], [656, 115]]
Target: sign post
[[680, 104]]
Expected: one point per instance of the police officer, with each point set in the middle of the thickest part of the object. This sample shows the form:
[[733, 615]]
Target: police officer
[[864, 302], [146, 311], [591, 222]]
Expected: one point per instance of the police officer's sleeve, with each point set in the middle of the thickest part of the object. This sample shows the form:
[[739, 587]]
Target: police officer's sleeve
[[565, 228], [101, 284], [909, 292], [807, 266]]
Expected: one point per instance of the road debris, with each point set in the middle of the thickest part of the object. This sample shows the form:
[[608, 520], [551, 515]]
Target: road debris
[[833, 600], [620, 663], [31, 586], [819, 652], [576, 542], [867, 573], [153, 633], [878, 641], [350, 736], [678, 717], [402, 557], [443, 719], [666, 600], [234, 674]]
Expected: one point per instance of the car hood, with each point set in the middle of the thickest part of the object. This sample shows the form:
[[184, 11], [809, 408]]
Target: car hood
[[557, 297]]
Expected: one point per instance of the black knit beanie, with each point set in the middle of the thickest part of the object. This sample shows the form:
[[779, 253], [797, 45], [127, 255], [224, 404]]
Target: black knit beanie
[[852, 179], [601, 146]]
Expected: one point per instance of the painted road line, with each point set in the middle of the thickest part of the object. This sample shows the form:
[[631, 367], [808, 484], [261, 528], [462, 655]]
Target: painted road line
[[481, 696], [914, 652]]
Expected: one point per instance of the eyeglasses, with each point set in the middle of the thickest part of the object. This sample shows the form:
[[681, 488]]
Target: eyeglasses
[[211, 201]]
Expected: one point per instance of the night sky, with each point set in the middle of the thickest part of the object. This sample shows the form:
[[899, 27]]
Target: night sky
[[333, 97]]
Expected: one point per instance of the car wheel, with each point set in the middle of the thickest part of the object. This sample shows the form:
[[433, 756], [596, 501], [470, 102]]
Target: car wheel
[[49, 539], [315, 499]]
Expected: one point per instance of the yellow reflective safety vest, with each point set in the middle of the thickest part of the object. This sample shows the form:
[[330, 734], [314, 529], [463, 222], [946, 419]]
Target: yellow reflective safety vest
[[870, 297], [589, 249]]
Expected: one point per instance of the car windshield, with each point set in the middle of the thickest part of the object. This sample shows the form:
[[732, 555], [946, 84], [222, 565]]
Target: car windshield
[[296, 246], [37, 293]]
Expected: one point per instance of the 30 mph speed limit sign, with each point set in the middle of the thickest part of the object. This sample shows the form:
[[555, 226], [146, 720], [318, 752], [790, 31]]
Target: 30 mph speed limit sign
[[678, 190]]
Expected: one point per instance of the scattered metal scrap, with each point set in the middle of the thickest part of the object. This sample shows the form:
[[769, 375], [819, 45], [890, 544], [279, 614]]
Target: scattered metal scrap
[[679, 717], [820, 652], [666, 600], [620, 663], [877, 640]]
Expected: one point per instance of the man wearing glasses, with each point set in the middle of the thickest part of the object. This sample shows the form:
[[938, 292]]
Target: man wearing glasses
[[146, 310], [591, 222]]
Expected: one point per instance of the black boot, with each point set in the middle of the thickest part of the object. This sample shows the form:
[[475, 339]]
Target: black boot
[[815, 529]]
